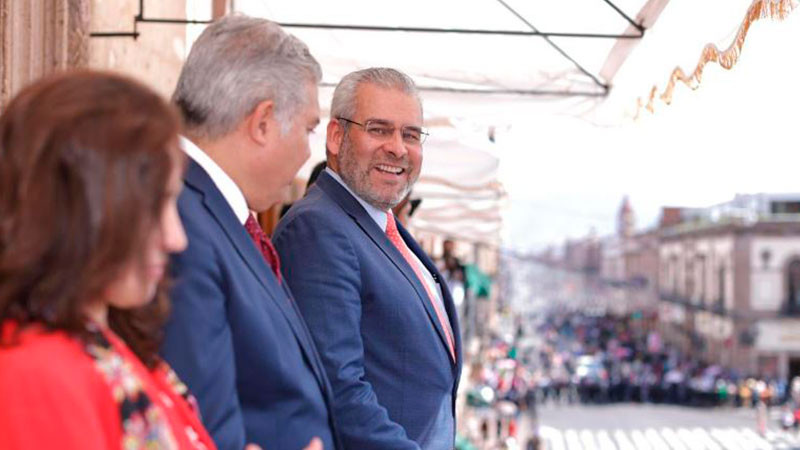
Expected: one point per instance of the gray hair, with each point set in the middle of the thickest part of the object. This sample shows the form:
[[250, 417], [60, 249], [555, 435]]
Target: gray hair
[[236, 63], [344, 96]]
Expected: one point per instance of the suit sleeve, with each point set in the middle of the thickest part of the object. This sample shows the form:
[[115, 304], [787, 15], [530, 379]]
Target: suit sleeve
[[322, 271], [198, 342]]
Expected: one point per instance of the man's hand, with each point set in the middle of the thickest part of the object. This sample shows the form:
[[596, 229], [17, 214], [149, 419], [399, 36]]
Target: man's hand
[[315, 444]]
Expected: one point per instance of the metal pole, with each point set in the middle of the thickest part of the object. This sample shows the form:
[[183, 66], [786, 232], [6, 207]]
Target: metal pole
[[108, 34], [175, 21], [557, 48], [533, 92], [458, 31], [630, 21]]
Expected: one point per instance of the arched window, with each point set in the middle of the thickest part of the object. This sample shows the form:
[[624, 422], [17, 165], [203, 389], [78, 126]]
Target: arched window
[[793, 287]]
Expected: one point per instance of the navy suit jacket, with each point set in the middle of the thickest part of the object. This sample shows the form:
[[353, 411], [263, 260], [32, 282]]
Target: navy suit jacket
[[378, 335], [235, 336]]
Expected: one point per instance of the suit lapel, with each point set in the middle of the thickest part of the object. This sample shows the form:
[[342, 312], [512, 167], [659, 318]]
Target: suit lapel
[[221, 211], [345, 200], [447, 298]]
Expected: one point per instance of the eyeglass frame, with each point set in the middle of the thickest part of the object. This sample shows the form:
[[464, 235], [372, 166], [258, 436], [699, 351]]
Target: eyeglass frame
[[423, 133]]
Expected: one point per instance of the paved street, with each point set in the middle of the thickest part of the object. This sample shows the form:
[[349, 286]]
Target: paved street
[[657, 427]]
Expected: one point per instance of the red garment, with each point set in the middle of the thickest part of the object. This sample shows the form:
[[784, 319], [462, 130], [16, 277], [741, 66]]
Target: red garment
[[54, 395]]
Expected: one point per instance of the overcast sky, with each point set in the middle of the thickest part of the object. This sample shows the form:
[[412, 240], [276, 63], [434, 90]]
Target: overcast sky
[[737, 133]]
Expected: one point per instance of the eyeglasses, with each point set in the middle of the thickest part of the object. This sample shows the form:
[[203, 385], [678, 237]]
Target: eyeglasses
[[384, 130]]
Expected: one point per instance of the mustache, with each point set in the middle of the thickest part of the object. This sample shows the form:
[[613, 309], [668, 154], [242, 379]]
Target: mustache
[[402, 162]]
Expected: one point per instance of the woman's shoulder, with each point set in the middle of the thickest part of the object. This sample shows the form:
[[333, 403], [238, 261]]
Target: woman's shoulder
[[35, 355], [49, 383]]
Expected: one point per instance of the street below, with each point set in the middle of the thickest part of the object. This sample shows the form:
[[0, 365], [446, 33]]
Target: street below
[[658, 427]]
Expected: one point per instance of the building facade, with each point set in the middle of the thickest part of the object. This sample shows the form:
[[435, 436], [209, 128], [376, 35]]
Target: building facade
[[729, 291], [724, 280]]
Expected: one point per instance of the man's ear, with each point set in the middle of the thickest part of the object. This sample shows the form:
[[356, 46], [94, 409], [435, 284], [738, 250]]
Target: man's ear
[[335, 135], [261, 122]]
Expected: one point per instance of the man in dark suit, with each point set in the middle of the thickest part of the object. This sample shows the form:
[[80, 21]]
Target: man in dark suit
[[377, 307], [249, 98]]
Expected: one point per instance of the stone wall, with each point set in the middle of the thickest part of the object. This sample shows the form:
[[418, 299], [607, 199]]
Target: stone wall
[[155, 57], [38, 37]]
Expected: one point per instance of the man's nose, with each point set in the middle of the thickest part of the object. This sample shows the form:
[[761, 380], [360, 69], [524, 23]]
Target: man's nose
[[395, 144]]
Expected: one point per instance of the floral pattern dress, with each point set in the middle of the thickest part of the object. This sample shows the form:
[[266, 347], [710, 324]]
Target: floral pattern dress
[[61, 392], [145, 423]]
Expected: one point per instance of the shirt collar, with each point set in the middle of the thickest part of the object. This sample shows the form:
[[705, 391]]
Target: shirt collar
[[230, 191], [380, 217]]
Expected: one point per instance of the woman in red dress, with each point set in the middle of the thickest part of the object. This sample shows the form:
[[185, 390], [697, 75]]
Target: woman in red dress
[[90, 170]]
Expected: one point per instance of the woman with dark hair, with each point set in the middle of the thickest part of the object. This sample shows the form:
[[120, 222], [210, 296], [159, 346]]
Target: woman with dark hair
[[90, 170]]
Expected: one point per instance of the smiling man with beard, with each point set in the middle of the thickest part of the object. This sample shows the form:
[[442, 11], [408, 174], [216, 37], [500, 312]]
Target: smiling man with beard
[[379, 312]]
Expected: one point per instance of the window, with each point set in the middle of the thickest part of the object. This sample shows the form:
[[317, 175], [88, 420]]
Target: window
[[673, 268], [785, 207], [793, 287], [766, 255], [701, 278], [689, 279], [721, 288]]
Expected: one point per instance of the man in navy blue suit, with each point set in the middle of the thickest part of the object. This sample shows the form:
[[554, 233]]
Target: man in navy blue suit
[[377, 307], [248, 95]]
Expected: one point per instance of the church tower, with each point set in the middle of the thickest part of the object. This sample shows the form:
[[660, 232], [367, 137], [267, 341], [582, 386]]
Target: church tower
[[625, 219]]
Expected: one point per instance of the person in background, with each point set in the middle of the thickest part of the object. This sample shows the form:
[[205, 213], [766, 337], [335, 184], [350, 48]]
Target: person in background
[[248, 94], [312, 178], [90, 171], [405, 209]]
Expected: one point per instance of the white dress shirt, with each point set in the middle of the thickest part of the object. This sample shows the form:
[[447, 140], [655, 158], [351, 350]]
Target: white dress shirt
[[233, 195]]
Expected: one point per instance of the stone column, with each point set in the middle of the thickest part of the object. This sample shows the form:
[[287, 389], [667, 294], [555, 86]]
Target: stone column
[[39, 37], [218, 8]]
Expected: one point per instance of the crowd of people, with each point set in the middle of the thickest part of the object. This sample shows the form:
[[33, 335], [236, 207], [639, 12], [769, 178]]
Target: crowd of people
[[498, 395], [142, 305], [585, 358], [608, 358]]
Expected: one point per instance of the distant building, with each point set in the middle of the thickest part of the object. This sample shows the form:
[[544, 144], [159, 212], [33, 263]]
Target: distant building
[[626, 221], [725, 280], [729, 282], [630, 264], [583, 255]]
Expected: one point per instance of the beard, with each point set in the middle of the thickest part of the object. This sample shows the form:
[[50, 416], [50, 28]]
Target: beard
[[357, 177]]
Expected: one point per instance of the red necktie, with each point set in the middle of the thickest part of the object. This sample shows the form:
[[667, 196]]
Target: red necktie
[[264, 245], [394, 236]]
